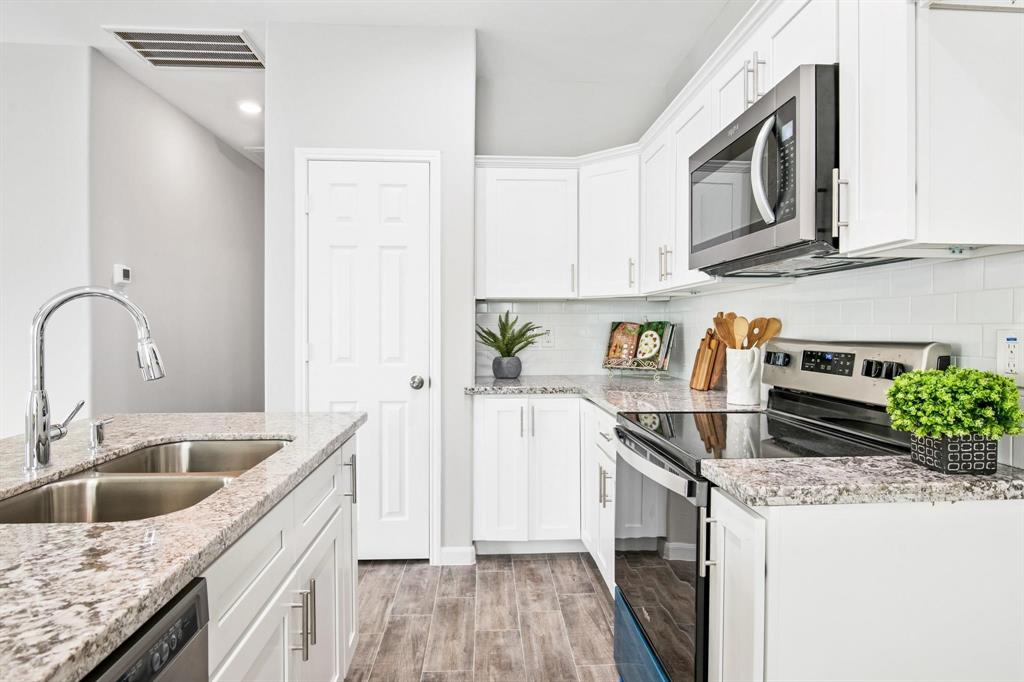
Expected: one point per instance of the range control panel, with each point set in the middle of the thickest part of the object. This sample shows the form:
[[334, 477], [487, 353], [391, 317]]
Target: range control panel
[[828, 362], [859, 371]]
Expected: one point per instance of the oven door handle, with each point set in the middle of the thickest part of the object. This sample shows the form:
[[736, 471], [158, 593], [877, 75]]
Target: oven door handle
[[679, 483], [764, 207]]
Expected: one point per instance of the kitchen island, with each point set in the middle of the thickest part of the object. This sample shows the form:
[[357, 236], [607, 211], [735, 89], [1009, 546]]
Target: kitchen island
[[72, 592]]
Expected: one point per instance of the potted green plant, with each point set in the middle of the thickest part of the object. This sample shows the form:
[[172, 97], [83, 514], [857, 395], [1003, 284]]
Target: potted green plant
[[510, 339], [956, 417]]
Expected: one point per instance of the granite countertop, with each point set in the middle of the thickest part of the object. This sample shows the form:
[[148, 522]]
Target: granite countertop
[[854, 480], [71, 593], [612, 393]]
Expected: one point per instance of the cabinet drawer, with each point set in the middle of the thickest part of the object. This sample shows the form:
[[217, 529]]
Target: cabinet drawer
[[604, 431], [240, 581], [316, 498]]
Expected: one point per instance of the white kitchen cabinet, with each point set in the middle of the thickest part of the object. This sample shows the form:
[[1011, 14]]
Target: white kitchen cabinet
[[736, 591], [606, 512], [526, 233], [657, 234], [305, 544], [526, 469], [500, 469], [794, 32], [732, 86], [692, 127], [589, 477], [931, 141], [609, 227], [599, 489], [554, 444]]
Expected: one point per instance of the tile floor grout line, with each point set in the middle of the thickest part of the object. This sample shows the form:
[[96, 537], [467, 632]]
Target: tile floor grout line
[[519, 618], [430, 628], [565, 628]]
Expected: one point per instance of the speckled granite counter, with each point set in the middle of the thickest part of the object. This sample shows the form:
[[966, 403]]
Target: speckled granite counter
[[853, 480], [615, 393], [70, 593]]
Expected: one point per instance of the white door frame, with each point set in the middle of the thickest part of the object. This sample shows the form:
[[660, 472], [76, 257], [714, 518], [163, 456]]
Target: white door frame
[[303, 155]]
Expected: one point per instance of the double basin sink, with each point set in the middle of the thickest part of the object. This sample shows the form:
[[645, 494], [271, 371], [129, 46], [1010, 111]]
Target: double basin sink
[[152, 481]]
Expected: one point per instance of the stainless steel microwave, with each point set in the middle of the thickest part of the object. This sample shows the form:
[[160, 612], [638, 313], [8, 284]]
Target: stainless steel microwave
[[761, 191]]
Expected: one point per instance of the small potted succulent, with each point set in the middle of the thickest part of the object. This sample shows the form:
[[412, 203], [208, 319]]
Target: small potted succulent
[[956, 417], [509, 341]]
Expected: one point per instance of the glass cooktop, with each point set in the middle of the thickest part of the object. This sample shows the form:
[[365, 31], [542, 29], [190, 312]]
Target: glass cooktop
[[814, 430]]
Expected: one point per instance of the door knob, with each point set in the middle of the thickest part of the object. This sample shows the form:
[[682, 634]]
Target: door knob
[[416, 381]]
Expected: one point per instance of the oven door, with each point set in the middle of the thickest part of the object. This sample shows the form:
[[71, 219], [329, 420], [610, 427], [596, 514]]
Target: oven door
[[661, 610]]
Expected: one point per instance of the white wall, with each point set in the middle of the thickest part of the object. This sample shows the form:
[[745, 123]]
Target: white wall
[[382, 88], [186, 212], [44, 213]]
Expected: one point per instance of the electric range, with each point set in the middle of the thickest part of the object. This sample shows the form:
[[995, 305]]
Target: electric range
[[827, 399]]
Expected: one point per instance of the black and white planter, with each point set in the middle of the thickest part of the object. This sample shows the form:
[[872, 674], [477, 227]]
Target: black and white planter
[[506, 368], [956, 454]]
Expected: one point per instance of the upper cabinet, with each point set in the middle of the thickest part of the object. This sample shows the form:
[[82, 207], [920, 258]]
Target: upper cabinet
[[526, 233], [657, 238], [609, 230]]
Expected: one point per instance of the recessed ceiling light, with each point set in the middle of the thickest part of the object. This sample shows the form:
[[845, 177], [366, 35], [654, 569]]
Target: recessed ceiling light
[[249, 107]]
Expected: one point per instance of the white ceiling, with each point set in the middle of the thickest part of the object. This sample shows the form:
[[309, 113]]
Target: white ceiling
[[591, 41]]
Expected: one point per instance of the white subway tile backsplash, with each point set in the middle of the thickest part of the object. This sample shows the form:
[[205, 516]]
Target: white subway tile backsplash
[[1018, 306], [966, 339], [958, 275], [933, 308], [913, 333], [891, 310], [911, 281], [975, 307], [1004, 271], [857, 312]]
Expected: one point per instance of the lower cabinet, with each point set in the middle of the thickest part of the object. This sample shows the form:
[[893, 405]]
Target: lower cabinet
[[736, 587], [302, 552], [598, 488], [526, 469]]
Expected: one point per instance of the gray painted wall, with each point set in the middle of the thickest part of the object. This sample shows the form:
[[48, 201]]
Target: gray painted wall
[[379, 88], [44, 203], [186, 212]]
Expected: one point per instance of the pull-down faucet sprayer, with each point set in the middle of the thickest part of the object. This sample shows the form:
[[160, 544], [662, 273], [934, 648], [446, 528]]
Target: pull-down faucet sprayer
[[39, 433]]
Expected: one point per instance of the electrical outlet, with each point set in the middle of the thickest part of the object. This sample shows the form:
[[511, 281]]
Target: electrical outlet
[[548, 340], [1010, 353]]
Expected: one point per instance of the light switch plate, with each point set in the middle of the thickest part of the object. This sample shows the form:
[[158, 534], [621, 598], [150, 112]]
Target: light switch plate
[[1010, 353]]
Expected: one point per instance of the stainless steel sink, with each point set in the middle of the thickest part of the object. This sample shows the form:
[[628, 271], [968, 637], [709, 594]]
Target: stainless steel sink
[[194, 456], [97, 498]]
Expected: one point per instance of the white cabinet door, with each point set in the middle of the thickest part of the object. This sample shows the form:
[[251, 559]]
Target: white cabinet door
[[589, 502], [736, 590], [606, 513], [657, 235], [610, 227], [526, 232], [732, 87], [690, 130], [264, 653], [500, 467], [318, 573], [554, 497], [876, 123], [796, 32], [349, 566]]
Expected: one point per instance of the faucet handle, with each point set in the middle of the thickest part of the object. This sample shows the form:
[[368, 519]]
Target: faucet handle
[[58, 431]]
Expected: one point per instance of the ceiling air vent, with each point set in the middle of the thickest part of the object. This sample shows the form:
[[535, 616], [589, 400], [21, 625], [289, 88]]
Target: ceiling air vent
[[191, 49]]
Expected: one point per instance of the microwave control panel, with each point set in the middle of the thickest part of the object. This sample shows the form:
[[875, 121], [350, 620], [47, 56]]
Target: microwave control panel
[[785, 133]]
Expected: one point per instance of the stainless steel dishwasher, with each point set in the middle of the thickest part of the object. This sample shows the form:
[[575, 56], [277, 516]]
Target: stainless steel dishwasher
[[171, 647]]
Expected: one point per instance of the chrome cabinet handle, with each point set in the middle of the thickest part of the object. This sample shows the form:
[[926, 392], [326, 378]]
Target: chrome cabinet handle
[[703, 564], [605, 436], [416, 381], [572, 277], [757, 75], [661, 263], [748, 70], [600, 485], [668, 252], [304, 632], [632, 278], [756, 178], [521, 431], [837, 182], [312, 611], [354, 483], [533, 421]]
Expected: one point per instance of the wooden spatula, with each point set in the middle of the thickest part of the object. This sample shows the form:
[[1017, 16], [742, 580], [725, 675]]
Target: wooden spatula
[[772, 329], [724, 330], [756, 331], [739, 331]]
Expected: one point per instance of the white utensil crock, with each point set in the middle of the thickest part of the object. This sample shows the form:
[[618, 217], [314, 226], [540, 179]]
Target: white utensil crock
[[743, 376]]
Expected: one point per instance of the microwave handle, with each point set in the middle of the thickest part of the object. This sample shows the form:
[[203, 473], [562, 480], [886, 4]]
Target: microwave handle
[[764, 207]]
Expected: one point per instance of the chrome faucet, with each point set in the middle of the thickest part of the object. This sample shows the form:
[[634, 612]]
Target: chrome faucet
[[39, 433]]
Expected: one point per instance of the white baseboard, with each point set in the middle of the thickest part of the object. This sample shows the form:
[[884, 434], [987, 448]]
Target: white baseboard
[[529, 547], [457, 556], [678, 551]]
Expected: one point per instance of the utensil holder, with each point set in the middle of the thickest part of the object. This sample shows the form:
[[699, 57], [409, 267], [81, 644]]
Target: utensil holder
[[743, 376]]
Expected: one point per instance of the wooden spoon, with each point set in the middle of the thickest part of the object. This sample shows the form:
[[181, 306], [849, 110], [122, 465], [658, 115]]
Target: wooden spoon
[[724, 330], [772, 329], [757, 329], [739, 331], [730, 316]]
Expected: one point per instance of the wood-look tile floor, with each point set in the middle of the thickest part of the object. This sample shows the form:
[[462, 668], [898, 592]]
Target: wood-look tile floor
[[538, 617]]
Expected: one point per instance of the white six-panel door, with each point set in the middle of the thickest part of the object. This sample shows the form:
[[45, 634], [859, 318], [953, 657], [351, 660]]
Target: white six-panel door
[[368, 326]]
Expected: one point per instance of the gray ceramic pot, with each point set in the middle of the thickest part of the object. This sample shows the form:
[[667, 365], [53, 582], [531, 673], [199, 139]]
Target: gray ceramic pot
[[506, 368]]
